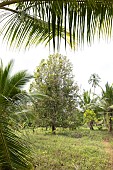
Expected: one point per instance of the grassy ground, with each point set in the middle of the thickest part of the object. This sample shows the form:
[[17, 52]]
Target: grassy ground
[[69, 150]]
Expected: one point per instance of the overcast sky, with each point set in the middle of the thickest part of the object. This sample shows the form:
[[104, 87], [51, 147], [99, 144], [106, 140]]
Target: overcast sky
[[98, 58]]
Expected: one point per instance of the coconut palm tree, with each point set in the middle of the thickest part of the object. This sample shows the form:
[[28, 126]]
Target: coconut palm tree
[[26, 22], [94, 80], [13, 152]]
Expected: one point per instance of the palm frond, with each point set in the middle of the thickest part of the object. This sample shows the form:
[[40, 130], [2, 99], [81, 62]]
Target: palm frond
[[5, 73], [14, 153], [34, 21], [19, 79], [107, 94], [10, 85]]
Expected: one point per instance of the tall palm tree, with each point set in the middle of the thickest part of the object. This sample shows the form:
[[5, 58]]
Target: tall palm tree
[[24, 22], [94, 80], [13, 152]]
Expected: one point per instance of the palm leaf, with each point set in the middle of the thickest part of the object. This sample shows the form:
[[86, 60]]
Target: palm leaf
[[10, 85], [13, 152], [35, 21], [5, 72], [19, 79]]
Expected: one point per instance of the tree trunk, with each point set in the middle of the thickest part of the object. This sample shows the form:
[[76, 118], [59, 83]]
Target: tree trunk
[[53, 123], [110, 122], [46, 128], [91, 125], [53, 128]]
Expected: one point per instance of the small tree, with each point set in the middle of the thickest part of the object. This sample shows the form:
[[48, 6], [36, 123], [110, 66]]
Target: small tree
[[90, 117], [54, 78]]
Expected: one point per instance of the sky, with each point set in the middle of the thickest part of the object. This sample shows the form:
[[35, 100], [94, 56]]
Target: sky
[[97, 58]]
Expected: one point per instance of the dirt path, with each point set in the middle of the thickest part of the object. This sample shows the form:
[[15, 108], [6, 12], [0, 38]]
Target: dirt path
[[109, 150]]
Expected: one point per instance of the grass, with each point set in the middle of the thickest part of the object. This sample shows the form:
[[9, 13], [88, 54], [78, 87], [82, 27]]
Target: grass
[[68, 150]]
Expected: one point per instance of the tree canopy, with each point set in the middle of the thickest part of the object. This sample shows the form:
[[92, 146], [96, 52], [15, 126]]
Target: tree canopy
[[54, 79]]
